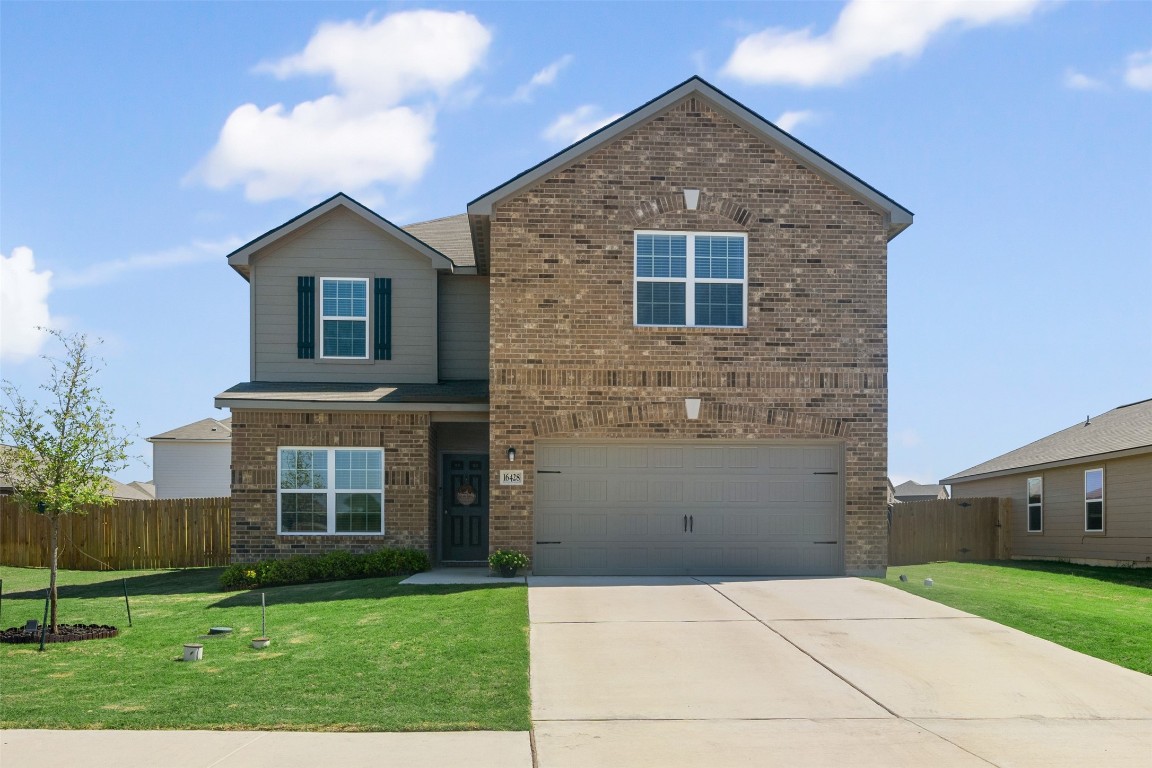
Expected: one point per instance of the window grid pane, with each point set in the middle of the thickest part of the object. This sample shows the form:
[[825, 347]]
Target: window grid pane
[[345, 298], [719, 304], [661, 256], [303, 512], [719, 257], [304, 469], [358, 470], [660, 303], [358, 513], [345, 338]]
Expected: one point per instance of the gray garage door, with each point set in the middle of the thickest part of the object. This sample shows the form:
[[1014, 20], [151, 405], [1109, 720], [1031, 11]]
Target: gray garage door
[[705, 507]]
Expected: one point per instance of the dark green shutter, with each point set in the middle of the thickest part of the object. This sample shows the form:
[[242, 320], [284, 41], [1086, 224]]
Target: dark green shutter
[[383, 330], [305, 317]]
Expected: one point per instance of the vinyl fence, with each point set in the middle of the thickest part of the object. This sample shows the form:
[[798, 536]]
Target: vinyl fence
[[949, 529], [169, 533]]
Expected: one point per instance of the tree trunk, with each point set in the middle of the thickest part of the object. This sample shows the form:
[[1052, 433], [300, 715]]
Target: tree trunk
[[54, 548]]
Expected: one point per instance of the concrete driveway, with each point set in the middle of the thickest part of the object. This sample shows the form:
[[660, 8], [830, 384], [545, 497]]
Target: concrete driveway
[[710, 672]]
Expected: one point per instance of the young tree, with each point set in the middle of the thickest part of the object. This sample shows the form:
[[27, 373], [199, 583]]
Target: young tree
[[60, 455]]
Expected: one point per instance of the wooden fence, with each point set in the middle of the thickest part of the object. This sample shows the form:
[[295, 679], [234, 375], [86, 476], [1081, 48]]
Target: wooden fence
[[168, 533], [950, 529]]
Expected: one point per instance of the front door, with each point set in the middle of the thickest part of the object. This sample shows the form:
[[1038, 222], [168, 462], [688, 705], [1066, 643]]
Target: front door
[[464, 530]]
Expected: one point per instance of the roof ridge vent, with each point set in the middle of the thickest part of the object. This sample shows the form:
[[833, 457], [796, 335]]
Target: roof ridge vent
[[1088, 420]]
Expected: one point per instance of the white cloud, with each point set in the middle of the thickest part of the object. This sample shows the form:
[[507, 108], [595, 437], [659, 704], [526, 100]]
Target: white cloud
[[546, 76], [909, 438], [107, 271], [23, 305], [575, 125], [794, 118], [1078, 81], [866, 32], [1138, 74], [377, 127]]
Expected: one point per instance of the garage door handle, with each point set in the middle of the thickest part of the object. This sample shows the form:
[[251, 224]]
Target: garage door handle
[[685, 523], [549, 542], [691, 522], [825, 473], [815, 542]]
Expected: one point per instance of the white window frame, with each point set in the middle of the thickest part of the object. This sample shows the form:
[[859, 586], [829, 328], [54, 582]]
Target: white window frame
[[689, 280], [366, 319], [1028, 504], [329, 492], [1100, 500]]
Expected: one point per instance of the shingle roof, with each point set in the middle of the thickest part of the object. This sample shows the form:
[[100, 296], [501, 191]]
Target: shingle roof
[[467, 392], [450, 235], [1121, 429], [205, 429], [913, 488]]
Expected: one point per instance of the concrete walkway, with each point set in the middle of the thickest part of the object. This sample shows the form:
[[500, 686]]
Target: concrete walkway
[[696, 673]]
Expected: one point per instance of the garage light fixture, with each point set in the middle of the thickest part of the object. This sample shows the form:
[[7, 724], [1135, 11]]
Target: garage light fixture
[[692, 407], [511, 454]]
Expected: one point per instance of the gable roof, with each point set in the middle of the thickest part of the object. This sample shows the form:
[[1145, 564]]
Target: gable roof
[[205, 429], [1124, 430], [898, 217], [911, 488], [240, 259]]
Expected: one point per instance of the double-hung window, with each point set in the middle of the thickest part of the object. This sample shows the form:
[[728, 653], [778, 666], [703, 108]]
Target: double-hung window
[[1094, 499], [691, 279], [344, 317], [1035, 504], [331, 490]]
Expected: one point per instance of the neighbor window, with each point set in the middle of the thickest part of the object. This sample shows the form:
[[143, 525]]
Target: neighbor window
[[691, 279], [1094, 499], [344, 317], [331, 490], [1035, 504]]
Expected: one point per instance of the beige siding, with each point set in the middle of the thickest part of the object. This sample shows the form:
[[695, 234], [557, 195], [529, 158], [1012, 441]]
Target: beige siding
[[1127, 535], [192, 470], [463, 323], [342, 244]]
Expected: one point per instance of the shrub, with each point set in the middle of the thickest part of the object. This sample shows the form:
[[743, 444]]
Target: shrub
[[332, 566]]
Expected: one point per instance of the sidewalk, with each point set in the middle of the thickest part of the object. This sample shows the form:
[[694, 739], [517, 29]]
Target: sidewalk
[[264, 749]]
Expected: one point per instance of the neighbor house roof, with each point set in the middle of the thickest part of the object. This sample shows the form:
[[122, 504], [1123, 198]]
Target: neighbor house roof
[[446, 396], [1122, 431], [912, 490], [117, 490], [205, 429], [240, 259], [898, 217]]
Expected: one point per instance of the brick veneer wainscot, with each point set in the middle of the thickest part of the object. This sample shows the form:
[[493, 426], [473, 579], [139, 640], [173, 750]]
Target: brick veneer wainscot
[[256, 436], [567, 360]]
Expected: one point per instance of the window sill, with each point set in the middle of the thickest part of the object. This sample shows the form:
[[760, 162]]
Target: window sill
[[317, 534]]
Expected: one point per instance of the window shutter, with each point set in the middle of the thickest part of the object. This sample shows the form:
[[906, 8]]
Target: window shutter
[[305, 317], [383, 329]]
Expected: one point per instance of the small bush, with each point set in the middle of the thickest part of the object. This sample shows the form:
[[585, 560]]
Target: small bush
[[332, 566]]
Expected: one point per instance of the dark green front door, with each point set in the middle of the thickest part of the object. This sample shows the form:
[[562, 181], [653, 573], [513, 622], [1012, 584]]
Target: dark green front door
[[464, 521]]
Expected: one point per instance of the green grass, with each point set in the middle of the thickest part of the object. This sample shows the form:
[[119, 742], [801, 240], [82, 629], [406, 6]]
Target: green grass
[[1103, 612], [365, 655]]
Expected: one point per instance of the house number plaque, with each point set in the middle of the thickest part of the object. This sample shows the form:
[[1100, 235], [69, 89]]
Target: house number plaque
[[511, 477]]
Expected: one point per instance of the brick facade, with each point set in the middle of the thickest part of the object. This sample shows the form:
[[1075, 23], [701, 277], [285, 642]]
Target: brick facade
[[567, 360], [408, 487]]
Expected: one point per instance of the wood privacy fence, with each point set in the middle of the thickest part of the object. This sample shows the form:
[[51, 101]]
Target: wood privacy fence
[[950, 529], [168, 533]]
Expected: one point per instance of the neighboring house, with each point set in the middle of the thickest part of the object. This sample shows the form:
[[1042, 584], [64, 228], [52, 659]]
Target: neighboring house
[[135, 491], [662, 350], [1083, 494], [193, 461], [913, 491]]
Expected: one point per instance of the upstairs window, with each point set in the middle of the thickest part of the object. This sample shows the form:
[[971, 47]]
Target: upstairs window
[[691, 279], [1035, 504], [1094, 499], [344, 317]]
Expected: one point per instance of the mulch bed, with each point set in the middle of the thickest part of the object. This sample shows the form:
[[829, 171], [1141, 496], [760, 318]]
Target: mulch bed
[[67, 633]]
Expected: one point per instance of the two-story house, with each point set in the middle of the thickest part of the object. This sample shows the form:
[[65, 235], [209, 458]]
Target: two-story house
[[662, 350]]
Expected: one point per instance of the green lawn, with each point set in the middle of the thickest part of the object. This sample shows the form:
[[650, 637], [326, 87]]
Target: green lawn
[[366, 655], [1103, 612]]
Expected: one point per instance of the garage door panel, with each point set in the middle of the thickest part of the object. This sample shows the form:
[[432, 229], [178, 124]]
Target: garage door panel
[[676, 509]]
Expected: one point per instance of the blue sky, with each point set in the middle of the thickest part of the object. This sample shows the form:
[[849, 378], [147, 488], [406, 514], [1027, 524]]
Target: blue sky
[[141, 142]]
